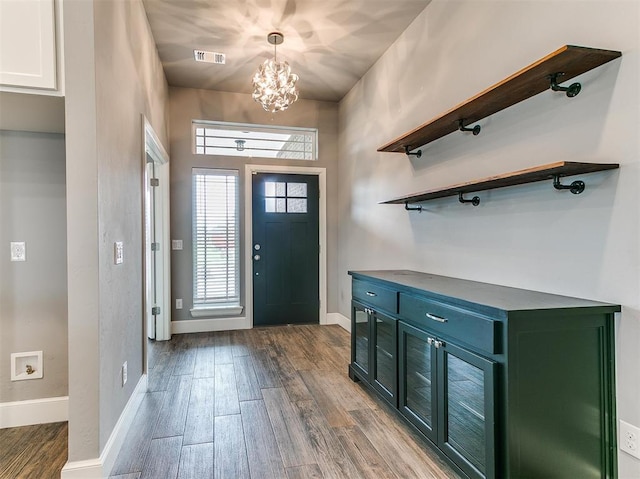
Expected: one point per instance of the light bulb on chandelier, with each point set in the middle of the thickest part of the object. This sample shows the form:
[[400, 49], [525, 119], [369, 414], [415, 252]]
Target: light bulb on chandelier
[[274, 86]]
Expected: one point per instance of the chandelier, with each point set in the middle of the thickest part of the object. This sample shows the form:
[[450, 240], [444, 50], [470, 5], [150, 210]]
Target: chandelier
[[274, 86]]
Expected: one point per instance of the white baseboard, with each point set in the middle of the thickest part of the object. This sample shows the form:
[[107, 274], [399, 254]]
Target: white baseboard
[[337, 318], [101, 467], [206, 325], [228, 324], [91, 469], [34, 411]]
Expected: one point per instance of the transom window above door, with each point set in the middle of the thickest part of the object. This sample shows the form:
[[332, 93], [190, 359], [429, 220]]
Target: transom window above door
[[281, 197], [260, 141]]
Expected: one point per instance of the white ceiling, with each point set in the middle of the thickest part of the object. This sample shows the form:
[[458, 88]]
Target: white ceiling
[[330, 44]]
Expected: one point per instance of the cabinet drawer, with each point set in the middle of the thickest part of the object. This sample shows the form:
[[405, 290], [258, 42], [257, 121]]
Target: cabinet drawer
[[456, 323], [375, 295]]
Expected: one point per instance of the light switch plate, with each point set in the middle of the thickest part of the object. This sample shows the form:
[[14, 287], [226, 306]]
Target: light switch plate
[[124, 373], [118, 252], [176, 244], [179, 303], [18, 251]]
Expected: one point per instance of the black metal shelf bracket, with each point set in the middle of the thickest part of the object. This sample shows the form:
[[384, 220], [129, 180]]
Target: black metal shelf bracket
[[407, 151], [475, 201], [571, 90], [412, 208], [576, 187], [475, 130]]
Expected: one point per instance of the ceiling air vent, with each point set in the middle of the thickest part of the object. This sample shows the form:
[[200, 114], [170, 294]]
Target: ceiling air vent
[[209, 57]]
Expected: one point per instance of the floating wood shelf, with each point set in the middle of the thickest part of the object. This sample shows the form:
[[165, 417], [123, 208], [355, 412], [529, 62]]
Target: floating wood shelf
[[520, 177], [570, 61]]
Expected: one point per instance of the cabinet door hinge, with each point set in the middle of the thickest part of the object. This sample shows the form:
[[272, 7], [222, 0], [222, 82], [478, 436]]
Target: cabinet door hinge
[[155, 310], [155, 246], [154, 182]]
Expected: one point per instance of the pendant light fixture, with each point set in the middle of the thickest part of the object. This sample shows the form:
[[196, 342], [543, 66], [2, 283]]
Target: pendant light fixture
[[274, 86]]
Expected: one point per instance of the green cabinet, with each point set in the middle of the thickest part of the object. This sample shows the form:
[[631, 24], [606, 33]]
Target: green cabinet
[[374, 350], [447, 392], [502, 382], [360, 337]]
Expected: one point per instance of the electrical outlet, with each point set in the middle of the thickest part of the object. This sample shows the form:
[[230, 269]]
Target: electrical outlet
[[179, 303], [118, 252], [630, 439], [18, 251], [124, 374], [176, 244]]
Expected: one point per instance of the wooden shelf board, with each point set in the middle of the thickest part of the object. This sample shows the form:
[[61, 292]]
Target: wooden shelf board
[[529, 175], [531, 80]]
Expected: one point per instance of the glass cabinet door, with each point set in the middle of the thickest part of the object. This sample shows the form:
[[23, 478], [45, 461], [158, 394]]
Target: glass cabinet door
[[384, 355], [360, 339], [466, 400], [417, 392]]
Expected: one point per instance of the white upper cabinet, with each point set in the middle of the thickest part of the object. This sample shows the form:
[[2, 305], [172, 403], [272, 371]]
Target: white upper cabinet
[[28, 51]]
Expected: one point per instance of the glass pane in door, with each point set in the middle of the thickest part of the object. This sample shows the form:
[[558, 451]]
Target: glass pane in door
[[385, 356], [418, 378], [362, 338], [466, 407]]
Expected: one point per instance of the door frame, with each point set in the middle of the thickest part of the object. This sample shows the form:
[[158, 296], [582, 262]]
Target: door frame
[[156, 151], [321, 173]]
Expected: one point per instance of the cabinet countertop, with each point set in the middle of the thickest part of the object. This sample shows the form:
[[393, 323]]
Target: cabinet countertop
[[495, 297]]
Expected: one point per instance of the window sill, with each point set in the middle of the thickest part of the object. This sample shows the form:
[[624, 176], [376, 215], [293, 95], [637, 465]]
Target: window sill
[[212, 312]]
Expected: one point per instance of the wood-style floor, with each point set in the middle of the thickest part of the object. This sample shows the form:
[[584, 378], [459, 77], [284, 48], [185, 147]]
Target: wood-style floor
[[266, 403], [262, 403], [33, 452]]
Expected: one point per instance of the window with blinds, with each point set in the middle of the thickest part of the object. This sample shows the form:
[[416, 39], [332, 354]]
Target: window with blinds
[[216, 241], [247, 140]]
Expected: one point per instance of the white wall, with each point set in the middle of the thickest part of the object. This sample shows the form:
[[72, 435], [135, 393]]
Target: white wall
[[33, 294], [527, 236], [113, 77], [190, 104]]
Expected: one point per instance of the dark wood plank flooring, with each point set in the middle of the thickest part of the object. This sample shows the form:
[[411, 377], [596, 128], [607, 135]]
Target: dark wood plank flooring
[[33, 452], [266, 403], [271, 403]]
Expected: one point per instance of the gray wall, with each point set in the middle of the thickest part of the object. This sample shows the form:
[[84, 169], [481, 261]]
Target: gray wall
[[113, 77], [187, 105], [527, 236], [33, 294]]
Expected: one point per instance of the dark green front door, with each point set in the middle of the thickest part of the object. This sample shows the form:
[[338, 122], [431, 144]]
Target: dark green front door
[[285, 249]]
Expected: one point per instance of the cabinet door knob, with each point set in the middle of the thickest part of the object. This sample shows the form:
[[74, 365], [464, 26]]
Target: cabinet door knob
[[438, 344], [369, 293], [436, 318], [429, 341]]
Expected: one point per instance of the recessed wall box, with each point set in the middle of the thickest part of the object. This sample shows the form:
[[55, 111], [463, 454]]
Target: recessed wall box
[[26, 365]]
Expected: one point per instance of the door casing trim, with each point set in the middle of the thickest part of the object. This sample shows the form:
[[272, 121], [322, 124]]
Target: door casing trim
[[321, 173], [153, 147]]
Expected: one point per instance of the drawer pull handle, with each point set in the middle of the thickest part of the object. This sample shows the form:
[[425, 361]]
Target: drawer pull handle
[[436, 318], [369, 293]]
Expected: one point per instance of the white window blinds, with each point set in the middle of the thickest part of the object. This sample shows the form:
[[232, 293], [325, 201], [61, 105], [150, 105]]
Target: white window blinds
[[216, 248]]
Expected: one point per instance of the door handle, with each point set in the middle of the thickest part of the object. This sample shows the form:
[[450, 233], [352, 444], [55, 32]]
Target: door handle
[[436, 318]]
